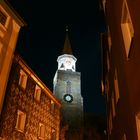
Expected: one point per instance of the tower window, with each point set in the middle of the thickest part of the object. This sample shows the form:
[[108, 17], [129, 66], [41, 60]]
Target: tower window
[[22, 79], [20, 124], [68, 88], [62, 66], [37, 93], [73, 67], [127, 28]]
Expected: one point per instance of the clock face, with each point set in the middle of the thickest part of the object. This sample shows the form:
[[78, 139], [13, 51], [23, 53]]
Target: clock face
[[68, 62], [68, 98]]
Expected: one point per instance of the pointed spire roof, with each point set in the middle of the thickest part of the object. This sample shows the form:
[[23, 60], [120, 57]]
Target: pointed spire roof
[[67, 47]]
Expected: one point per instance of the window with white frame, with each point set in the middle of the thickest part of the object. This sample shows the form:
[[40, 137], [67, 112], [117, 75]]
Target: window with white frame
[[138, 125], [41, 131], [37, 93], [22, 79], [20, 123], [68, 88], [116, 86], [127, 27]]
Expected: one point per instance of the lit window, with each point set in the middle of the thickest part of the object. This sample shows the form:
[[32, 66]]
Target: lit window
[[102, 87], [23, 79], [52, 106], [41, 131], [108, 62], [138, 125], [117, 94], [37, 93], [113, 105], [124, 137], [21, 117], [127, 28], [109, 39], [53, 137]]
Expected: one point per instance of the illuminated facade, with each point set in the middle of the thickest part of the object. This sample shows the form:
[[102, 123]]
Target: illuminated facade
[[10, 24], [121, 68], [30, 111], [67, 88]]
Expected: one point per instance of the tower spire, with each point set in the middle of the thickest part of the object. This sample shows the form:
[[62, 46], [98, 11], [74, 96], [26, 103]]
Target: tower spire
[[67, 47]]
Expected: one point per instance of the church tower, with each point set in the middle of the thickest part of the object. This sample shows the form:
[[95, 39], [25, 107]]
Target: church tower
[[67, 88]]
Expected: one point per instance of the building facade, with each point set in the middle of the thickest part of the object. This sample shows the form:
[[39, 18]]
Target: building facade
[[10, 24], [67, 88], [30, 111], [121, 68]]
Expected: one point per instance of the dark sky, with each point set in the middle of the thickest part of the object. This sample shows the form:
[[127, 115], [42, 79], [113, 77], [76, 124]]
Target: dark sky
[[42, 40]]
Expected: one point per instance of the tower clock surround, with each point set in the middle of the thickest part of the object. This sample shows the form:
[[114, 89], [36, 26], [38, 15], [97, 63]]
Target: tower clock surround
[[67, 88]]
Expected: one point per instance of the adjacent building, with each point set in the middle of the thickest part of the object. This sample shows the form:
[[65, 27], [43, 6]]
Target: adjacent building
[[121, 68], [67, 88], [30, 110], [10, 24]]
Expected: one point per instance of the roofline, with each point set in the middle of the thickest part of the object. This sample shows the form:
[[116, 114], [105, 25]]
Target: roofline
[[28, 70], [13, 12]]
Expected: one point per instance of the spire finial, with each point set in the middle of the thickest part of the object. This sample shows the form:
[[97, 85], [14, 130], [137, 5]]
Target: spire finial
[[67, 47]]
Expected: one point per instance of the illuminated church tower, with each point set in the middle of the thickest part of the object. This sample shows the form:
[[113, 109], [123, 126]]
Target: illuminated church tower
[[67, 88]]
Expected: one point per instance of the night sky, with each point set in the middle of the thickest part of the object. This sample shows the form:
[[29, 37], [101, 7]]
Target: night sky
[[42, 41]]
